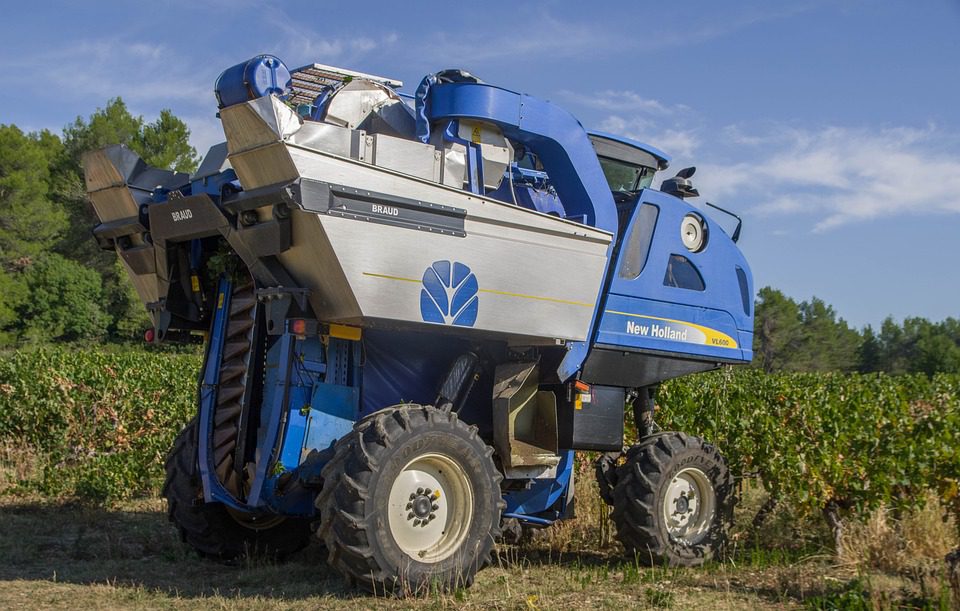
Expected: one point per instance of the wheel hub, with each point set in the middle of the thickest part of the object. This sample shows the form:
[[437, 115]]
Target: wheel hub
[[422, 506], [430, 508], [689, 505]]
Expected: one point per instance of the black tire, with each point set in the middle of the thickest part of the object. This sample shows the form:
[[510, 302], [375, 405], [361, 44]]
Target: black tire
[[377, 461], [608, 465], [210, 528], [673, 469]]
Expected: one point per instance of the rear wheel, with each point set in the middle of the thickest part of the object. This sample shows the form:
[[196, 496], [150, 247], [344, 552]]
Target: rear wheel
[[210, 528], [673, 500], [411, 500]]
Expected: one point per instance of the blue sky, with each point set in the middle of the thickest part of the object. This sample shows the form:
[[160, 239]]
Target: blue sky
[[831, 127]]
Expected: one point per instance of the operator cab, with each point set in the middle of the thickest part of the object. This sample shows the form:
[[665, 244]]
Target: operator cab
[[629, 167]]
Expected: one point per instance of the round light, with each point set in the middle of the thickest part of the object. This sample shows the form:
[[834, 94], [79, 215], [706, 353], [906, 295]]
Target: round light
[[693, 232]]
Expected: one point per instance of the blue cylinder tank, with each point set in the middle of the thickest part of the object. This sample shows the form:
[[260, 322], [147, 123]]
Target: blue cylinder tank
[[254, 78]]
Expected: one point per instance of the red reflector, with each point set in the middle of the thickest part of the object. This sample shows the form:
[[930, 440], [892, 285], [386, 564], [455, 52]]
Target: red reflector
[[148, 336], [581, 386], [298, 326]]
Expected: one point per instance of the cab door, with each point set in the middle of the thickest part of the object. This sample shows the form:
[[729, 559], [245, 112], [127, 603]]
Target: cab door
[[673, 297]]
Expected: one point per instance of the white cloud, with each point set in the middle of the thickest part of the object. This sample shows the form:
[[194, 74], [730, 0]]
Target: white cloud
[[530, 35], [619, 101], [708, 27], [301, 44], [110, 67], [675, 141], [837, 176], [680, 142]]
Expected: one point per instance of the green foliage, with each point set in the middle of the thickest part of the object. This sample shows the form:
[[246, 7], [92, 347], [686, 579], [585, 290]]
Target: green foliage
[[163, 143], [64, 301], [101, 421], [776, 329], [12, 294], [856, 440], [802, 337], [129, 316], [808, 336], [44, 210], [29, 222], [918, 346]]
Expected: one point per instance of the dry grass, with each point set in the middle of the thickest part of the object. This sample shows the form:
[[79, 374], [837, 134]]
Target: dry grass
[[592, 528], [59, 555], [18, 463], [914, 541]]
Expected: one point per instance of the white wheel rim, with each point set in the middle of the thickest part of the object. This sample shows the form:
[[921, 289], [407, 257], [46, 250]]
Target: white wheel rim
[[689, 505], [430, 508]]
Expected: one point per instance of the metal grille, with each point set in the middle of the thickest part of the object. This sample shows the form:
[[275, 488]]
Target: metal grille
[[310, 79]]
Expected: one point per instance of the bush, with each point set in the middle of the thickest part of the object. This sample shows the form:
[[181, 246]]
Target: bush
[[64, 301], [857, 441], [102, 421]]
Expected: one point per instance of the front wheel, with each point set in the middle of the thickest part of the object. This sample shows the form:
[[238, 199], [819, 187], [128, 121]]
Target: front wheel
[[673, 500], [212, 529], [411, 500]]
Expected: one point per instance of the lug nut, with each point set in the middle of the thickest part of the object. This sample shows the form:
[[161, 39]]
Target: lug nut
[[412, 496], [411, 516], [419, 490], [434, 507], [417, 522], [409, 505]]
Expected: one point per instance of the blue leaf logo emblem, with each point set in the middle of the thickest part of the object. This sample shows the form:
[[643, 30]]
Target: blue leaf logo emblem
[[449, 294]]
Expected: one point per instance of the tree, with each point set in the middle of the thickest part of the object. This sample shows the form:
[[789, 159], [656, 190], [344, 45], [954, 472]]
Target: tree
[[916, 346], [55, 283], [827, 342], [871, 351], [64, 301], [777, 329], [163, 143], [29, 222], [802, 337], [12, 294]]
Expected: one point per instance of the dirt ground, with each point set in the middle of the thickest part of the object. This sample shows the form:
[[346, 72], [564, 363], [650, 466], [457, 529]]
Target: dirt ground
[[57, 555]]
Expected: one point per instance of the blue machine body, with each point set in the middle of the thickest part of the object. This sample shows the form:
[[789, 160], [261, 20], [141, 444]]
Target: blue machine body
[[706, 316], [658, 298], [258, 77]]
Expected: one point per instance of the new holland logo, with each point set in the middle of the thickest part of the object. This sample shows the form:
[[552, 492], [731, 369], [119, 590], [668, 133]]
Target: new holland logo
[[449, 294]]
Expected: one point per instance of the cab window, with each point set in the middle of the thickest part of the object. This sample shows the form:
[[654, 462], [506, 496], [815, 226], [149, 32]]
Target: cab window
[[682, 274], [636, 247], [625, 176]]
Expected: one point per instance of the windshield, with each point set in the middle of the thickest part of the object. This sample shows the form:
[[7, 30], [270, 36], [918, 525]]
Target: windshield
[[625, 176]]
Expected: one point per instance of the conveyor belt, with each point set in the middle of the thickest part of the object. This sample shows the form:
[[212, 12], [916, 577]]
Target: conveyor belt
[[236, 361]]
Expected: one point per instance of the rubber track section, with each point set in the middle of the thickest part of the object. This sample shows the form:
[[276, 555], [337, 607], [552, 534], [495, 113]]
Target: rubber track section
[[235, 363]]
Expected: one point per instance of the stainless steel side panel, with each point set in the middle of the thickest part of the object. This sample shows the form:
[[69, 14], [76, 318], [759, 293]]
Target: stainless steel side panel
[[538, 276]]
